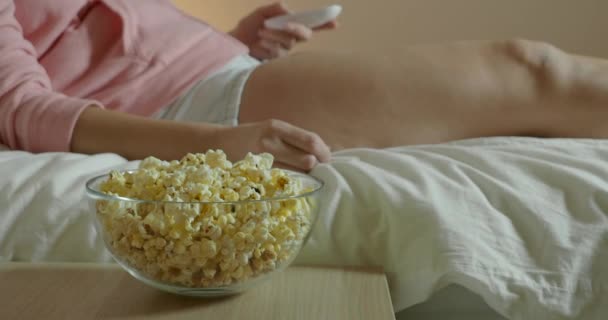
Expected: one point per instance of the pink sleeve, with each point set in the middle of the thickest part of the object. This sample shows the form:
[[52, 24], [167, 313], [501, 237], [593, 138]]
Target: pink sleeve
[[33, 117]]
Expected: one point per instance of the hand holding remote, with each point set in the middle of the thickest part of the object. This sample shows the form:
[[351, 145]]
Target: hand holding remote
[[311, 19]]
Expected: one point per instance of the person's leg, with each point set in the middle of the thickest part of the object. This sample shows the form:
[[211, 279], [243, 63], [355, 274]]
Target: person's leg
[[433, 94]]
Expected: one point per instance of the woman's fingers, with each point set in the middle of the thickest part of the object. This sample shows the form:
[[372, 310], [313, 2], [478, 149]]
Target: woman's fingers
[[291, 146], [286, 40], [299, 31], [307, 141], [277, 43], [288, 155]]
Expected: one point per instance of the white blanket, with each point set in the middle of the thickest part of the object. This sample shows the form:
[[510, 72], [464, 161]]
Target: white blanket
[[522, 222]]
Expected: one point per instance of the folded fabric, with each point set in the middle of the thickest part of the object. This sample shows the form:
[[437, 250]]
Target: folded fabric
[[523, 222]]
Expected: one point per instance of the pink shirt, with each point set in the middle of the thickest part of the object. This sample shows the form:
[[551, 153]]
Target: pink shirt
[[60, 56]]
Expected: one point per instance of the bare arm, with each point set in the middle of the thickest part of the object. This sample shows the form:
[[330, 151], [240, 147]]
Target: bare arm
[[133, 137]]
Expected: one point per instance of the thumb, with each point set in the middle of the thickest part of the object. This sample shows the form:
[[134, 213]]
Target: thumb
[[274, 9]]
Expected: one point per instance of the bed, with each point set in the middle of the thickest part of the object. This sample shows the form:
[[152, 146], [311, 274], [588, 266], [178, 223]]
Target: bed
[[487, 228]]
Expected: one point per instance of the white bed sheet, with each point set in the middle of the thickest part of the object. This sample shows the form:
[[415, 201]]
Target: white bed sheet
[[451, 303], [521, 222]]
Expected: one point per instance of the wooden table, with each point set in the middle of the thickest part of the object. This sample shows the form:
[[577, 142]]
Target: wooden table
[[92, 291]]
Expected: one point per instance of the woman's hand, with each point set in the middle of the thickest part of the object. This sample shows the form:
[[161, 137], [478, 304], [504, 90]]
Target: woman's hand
[[293, 148], [267, 44]]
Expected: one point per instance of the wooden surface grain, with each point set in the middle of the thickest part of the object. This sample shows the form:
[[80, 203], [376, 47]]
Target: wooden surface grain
[[86, 291]]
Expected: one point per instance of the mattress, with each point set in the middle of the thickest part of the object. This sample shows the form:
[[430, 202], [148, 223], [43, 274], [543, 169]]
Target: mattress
[[521, 223]]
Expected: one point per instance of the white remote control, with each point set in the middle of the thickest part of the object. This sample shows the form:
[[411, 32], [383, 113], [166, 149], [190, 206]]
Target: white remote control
[[311, 19]]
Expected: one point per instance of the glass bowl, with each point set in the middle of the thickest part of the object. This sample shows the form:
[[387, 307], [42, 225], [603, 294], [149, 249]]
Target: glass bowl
[[204, 249]]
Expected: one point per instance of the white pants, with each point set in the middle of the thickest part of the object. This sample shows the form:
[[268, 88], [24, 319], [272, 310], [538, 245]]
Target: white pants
[[215, 99]]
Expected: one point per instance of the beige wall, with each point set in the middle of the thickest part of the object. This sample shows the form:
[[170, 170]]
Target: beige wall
[[575, 25]]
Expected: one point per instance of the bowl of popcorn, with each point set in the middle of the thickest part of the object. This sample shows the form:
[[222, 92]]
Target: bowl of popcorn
[[204, 226]]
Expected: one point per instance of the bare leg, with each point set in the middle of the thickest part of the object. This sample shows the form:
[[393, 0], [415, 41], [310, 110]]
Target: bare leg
[[434, 94]]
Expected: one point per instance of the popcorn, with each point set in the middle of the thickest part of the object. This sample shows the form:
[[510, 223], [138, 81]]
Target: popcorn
[[180, 238]]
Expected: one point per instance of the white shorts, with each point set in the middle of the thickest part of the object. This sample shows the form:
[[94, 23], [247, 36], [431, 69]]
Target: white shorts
[[215, 99]]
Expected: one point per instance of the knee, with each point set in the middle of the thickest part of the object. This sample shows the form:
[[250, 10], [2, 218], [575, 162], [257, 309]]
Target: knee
[[549, 67]]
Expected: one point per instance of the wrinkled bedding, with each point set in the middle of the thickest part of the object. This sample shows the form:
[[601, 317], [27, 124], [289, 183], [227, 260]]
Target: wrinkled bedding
[[523, 222]]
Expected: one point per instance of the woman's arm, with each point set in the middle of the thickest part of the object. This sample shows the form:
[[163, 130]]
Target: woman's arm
[[134, 137], [33, 116]]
